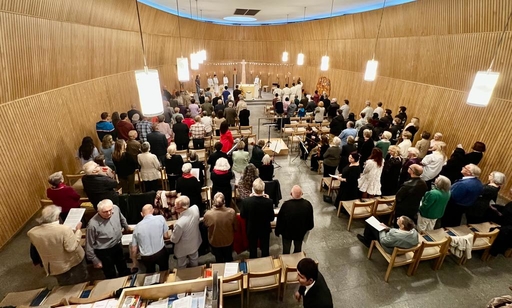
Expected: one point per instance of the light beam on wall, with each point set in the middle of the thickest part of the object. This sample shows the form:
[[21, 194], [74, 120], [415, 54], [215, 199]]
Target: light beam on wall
[[324, 65], [284, 58], [183, 71], [194, 61], [371, 70], [300, 59]]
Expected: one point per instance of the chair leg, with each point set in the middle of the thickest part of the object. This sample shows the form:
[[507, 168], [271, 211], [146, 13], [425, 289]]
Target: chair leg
[[412, 268], [242, 299], [339, 209], [248, 293], [278, 293], [388, 272], [390, 219], [349, 223], [372, 245], [486, 255]]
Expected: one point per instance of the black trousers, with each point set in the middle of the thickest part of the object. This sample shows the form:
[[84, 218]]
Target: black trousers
[[452, 215], [182, 146], [264, 240], [198, 143], [329, 170], [76, 274], [287, 244], [112, 259], [370, 234], [151, 185], [160, 258], [172, 181], [314, 161], [222, 254]]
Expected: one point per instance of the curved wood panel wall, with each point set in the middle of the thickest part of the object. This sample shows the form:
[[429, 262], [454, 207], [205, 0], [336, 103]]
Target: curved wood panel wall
[[64, 62]]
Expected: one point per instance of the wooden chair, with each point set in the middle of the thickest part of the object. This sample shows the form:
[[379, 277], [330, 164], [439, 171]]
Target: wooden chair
[[246, 130], [251, 139], [399, 257], [71, 179], [320, 166], [332, 183], [288, 129], [231, 285], [385, 206], [262, 275], [295, 139], [483, 241], [138, 181], [289, 264], [234, 129], [357, 209], [163, 178], [201, 155], [433, 250], [189, 273], [184, 154], [45, 202], [324, 128], [206, 196]]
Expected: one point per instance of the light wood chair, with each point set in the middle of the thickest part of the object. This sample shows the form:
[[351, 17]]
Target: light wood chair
[[234, 129], [206, 196], [138, 181], [483, 241], [399, 257], [232, 285], [262, 275], [288, 129], [246, 130], [45, 202], [357, 209], [289, 264], [385, 206], [189, 273], [163, 178], [295, 139], [433, 250], [201, 155], [184, 154], [332, 183], [320, 166], [71, 179]]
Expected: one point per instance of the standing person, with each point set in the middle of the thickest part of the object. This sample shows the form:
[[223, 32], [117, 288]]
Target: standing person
[[230, 114], [369, 182], [208, 124], [98, 186], [221, 222], [319, 155], [173, 164], [59, 247], [463, 194], [477, 153], [158, 142], [236, 94], [198, 85], [333, 109], [368, 110], [225, 81], [186, 235], [240, 160], [258, 211], [107, 148], [413, 127], [433, 204], [104, 126], [198, 132], [379, 110], [316, 97], [87, 151], [423, 145], [412, 158], [125, 167], [405, 144], [402, 115], [250, 174], [313, 289], [337, 123], [294, 220], [332, 157], [62, 195], [103, 243], [477, 213], [144, 127], [194, 108], [266, 170], [133, 110], [225, 94], [366, 146], [210, 83], [391, 172], [193, 159], [124, 126], [349, 177], [215, 83], [257, 153], [132, 145], [319, 113], [409, 196], [207, 107], [221, 179], [226, 138], [149, 168], [148, 239], [347, 132], [243, 116], [345, 152], [345, 109], [433, 164], [188, 185], [181, 131]]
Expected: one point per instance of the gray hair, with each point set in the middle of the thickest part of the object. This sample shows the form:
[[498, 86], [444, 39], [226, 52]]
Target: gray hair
[[414, 151], [266, 159], [183, 201], [498, 178], [186, 168], [50, 214], [56, 178], [387, 135], [258, 186], [336, 141], [443, 183], [222, 164], [103, 203], [145, 147], [219, 200], [241, 145], [90, 167], [367, 133], [474, 170]]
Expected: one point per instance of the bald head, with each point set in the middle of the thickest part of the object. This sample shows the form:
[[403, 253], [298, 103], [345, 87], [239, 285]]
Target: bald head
[[415, 170], [147, 210], [296, 192]]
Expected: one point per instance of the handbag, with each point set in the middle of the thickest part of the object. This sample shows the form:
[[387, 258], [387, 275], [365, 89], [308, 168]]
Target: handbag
[[328, 199]]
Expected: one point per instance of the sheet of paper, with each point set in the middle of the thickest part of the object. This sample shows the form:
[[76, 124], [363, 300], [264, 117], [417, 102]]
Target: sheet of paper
[[74, 217], [160, 304], [126, 239], [185, 302], [152, 279], [195, 172], [84, 306], [374, 222], [334, 176], [230, 269]]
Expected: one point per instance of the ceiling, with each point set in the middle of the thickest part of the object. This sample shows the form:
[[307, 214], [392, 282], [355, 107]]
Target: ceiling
[[271, 11]]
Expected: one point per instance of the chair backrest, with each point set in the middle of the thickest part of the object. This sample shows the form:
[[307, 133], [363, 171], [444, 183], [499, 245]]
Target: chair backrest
[[386, 205], [244, 129], [190, 273], [490, 236], [442, 246], [45, 202], [201, 155], [73, 178], [368, 203], [402, 251], [183, 153], [289, 263]]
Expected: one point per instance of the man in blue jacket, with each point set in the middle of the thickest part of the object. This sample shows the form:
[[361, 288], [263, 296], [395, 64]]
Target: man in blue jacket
[[464, 193]]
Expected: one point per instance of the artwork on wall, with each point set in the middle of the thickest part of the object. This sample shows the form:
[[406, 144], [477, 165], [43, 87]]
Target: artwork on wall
[[323, 85]]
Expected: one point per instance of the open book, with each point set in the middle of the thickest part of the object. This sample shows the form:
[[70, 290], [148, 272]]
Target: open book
[[374, 222]]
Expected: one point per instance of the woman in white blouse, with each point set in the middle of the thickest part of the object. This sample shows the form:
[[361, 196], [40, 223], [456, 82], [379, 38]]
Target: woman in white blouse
[[369, 182], [149, 168], [405, 144], [433, 163]]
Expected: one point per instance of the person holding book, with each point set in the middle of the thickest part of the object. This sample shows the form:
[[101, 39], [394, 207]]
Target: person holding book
[[186, 235]]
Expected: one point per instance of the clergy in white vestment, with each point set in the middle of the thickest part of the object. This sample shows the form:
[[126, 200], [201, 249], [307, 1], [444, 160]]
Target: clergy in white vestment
[[293, 89], [225, 81], [298, 89], [286, 92], [278, 91], [256, 84], [215, 83], [210, 82]]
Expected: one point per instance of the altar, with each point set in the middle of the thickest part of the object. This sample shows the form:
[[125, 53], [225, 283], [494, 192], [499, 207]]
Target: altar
[[248, 91]]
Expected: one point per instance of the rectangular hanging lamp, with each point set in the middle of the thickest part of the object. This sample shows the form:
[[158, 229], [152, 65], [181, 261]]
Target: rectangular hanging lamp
[[285, 56], [483, 86], [150, 95], [194, 61], [300, 59], [183, 72], [371, 70], [324, 64]]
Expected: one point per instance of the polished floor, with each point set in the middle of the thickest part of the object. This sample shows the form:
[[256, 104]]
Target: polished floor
[[354, 280]]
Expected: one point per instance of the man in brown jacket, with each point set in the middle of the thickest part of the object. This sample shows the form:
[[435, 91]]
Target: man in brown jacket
[[221, 223], [59, 247]]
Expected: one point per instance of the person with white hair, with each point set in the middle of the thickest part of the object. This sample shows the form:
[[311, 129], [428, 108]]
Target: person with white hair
[[221, 223], [332, 157], [258, 212], [230, 114], [103, 242], [221, 179], [148, 239], [173, 165], [62, 195], [186, 236], [368, 110], [241, 105], [433, 204], [59, 247], [149, 168], [463, 194], [412, 158], [478, 212], [266, 169], [188, 185], [98, 186], [294, 220]]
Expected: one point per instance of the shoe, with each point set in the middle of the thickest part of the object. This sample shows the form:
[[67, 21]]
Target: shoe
[[363, 240]]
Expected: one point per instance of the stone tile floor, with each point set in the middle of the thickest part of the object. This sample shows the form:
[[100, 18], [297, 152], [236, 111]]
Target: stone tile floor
[[354, 280]]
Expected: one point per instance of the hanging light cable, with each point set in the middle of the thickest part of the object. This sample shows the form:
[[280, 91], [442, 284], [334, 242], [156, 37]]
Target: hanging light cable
[[183, 72], [203, 51], [372, 65], [194, 57], [148, 83], [300, 56], [485, 81], [200, 52], [324, 64], [284, 58]]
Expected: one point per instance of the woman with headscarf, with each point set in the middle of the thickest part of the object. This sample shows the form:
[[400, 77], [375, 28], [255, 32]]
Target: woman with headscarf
[[221, 179], [245, 185], [188, 185]]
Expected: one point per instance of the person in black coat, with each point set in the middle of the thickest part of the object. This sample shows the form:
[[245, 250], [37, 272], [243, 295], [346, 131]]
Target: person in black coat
[[319, 155], [345, 152], [189, 186], [333, 109], [408, 197], [173, 163], [337, 123], [453, 166], [98, 186], [366, 148], [212, 159], [180, 131], [295, 218], [198, 165], [391, 172], [478, 212], [348, 180], [266, 170], [258, 211], [318, 295], [158, 143], [221, 179], [257, 153], [475, 156], [244, 115], [395, 130]]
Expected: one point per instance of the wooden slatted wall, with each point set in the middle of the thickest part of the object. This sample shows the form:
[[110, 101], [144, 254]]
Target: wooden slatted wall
[[64, 62]]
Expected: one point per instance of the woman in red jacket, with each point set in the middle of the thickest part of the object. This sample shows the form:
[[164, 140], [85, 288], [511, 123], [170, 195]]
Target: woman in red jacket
[[226, 138], [62, 195]]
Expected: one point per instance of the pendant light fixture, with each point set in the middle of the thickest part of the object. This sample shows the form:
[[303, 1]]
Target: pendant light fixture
[[284, 58], [182, 63], [324, 64], [148, 83], [485, 81], [202, 52], [300, 56], [372, 65]]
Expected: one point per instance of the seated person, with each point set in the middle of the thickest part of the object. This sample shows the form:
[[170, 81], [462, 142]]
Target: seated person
[[405, 237]]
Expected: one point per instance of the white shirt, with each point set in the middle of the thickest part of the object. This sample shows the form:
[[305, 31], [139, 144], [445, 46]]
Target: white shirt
[[298, 90], [210, 82], [404, 147], [368, 111], [207, 121], [215, 81], [293, 90], [287, 91], [278, 91], [309, 287], [225, 80], [345, 110], [379, 111], [432, 165], [257, 80]]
